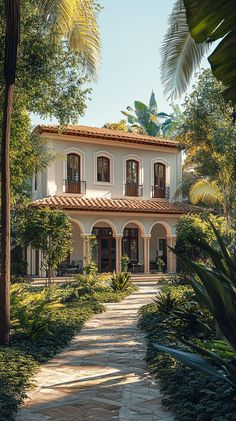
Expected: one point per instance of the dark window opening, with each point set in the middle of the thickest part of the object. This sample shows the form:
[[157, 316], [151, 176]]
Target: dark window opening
[[103, 169]]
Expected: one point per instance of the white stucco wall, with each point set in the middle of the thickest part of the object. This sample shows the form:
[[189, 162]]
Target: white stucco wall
[[146, 155]]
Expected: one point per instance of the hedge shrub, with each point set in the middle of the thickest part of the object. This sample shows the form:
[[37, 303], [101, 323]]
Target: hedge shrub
[[190, 395]]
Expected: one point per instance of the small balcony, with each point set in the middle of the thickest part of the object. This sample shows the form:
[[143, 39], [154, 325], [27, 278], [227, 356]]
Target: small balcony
[[75, 186], [160, 192], [131, 189]]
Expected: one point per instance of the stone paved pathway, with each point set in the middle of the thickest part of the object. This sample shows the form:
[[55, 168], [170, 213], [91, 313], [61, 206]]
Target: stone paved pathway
[[101, 375]]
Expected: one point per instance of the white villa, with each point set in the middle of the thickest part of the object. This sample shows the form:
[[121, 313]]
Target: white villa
[[118, 186]]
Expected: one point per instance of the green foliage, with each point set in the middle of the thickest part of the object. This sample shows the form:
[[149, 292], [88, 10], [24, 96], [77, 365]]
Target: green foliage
[[125, 260], [216, 21], [31, 313], [91, 267], [18, 263], [215, 290], [166, 303], [147, 118], [180, 53], [16, 369], [120, 125], [198, 226], [189, 394], [120, 281], [53, 87], [47, 230], [209, 138], [159, 264], [192, 29]]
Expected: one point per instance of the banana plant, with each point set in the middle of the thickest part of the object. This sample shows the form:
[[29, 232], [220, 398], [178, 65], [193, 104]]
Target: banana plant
[[148, 119], [215, 289]]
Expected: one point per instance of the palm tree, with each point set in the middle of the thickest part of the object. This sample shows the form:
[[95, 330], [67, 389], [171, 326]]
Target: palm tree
[[181, 55], [75, 20], [192, 26], [146, 118], [210, 193]]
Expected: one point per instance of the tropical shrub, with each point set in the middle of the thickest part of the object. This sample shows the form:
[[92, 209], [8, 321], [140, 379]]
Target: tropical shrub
[[31, 313], [198, 227], [166, 302], [16, 369], [189, 394], [120, 281], [215, 289]]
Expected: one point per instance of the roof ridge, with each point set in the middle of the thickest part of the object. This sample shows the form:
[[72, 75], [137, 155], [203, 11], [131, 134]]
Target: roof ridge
[[104, 132]]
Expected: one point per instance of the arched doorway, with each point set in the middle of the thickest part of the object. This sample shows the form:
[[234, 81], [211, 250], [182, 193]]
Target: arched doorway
[[104, 252], [133, 247], [158, 247], [73, 263]]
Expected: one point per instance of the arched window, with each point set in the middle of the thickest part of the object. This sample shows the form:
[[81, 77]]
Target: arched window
[[73, 173], [103, 169], [159, 190], [132, 178]]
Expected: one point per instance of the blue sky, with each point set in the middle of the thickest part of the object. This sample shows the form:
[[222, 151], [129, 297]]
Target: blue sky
[[132, 32]]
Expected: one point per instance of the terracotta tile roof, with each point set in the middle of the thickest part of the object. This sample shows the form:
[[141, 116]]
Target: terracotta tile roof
[[101, 133], [75, 202]]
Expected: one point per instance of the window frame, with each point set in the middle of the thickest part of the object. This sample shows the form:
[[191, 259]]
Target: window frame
[[110, 157], [103, 180], [168, 172], [140, 178]]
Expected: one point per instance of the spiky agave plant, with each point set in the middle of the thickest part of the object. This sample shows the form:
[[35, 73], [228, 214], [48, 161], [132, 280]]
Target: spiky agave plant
[[215, 289], [120, 281]]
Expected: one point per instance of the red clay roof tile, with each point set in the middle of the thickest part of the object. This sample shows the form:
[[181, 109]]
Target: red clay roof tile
[[102, 133], [75, 202]]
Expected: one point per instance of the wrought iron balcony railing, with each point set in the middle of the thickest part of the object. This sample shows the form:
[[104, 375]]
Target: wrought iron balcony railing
[[75, 186], [160, 192], [133, 190]]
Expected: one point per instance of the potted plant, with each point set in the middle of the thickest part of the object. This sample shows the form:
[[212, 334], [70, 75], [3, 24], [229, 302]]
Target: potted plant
[[125, 263], [159, 264]]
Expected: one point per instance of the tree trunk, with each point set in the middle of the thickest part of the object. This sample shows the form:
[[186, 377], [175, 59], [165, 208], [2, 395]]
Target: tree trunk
[[5, 220], [12, 10]]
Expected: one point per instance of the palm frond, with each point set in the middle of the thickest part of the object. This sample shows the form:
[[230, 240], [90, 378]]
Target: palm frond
[[180, 53], [76, 20], [205, 191]]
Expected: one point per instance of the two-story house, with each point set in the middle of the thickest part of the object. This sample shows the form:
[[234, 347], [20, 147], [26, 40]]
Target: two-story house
[[118, 186]]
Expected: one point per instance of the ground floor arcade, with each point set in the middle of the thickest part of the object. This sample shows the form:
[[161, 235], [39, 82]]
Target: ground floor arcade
[[143, 238]]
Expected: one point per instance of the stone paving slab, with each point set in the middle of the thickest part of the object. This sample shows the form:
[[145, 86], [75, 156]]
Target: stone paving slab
[[102, 374]]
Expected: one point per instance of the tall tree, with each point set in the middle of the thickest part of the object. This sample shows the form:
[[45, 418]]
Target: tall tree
[[209, 140], [45, 229], [76, 21]]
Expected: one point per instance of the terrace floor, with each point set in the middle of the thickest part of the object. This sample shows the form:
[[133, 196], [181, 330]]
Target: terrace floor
[[102, 375]]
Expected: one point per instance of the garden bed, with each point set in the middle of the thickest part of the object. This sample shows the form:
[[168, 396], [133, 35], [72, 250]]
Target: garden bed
[[189, 394], [43, 322]]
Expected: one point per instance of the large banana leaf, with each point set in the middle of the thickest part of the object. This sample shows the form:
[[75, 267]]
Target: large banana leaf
[[213, 20], [193, 361], [153, 104]]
